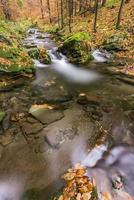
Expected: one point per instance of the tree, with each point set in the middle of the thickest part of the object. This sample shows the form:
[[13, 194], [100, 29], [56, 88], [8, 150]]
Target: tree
[[119, 14], [70, 14], [6, 9], [42, 11], [103, 3], [96, 14], [62, 16], [49, 11]]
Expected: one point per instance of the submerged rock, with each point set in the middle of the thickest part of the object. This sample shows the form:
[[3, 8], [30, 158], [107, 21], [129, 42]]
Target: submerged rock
[[31, 128], [45, 115]]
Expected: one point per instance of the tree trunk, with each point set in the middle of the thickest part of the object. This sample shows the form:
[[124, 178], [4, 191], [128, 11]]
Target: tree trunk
[[70, 14], [62, 16], [58, 14], [96, 14], [42, 11], [103, 3], [49, 11], [6, 9], [119, 14]]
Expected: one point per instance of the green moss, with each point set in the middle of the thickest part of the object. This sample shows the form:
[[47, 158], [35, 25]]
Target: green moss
[[79, 37], [114, 43], [34, 53]]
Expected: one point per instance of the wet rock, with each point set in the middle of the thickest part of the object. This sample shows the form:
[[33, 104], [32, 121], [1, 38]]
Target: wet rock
[[54, 139], [31, 120], [101, 55], [28, 128], [2, 115], [31, 31], [30, 46], [82, 100], [70, 133], [6, 139], [6, 120], [41, 36], [43, 147], [46, 116]]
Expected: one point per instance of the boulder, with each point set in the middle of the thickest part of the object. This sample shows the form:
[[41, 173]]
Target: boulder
[[113, 43], [76, 48], [45, 115]]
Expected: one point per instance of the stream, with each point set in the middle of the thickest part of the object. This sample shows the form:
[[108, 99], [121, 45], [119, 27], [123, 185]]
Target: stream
[[83, 106]]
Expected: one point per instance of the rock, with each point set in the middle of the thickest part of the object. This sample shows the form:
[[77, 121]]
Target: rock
[[54, 139], [32, 120], [70, 133], [113, 43], [6, 120], [33, 53], [101, 55], [43, 147], [2, 115], [41, 36], [28, 128], [44, 56], [75, 48], [30, 46], [82, 100], [45, 115], [6, 139], [31, 31]]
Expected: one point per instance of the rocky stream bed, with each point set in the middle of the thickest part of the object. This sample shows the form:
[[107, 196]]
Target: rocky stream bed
[[50, 122]]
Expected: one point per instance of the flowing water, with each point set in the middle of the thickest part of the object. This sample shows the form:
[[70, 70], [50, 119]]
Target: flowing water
[[91, 106]]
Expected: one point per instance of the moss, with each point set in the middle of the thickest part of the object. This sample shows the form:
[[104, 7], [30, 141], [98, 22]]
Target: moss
[[115, 42], [76, 48], [43, 56], [33, 53]]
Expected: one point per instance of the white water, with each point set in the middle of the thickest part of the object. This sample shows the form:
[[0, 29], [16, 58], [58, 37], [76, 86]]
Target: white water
[[71, 72]]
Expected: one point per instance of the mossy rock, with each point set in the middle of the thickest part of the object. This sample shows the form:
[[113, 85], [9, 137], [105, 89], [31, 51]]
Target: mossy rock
[[34, 53], [40, 54], [14, 59], [114, 43], [44, 56], [15, 68], [76, 48]]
